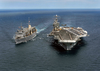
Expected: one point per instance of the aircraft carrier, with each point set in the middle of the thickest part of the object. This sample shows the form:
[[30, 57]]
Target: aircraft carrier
[[25, 34], [67, 37]]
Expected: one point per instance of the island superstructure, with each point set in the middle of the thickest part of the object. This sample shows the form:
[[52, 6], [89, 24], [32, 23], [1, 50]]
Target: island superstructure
[[67, 37], [25, 34]]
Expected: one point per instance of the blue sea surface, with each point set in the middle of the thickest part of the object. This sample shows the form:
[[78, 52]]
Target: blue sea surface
[[41, 54]]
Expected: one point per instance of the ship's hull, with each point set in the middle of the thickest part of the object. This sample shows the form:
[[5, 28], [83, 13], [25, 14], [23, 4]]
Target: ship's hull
[[25, 39], [67, 46]]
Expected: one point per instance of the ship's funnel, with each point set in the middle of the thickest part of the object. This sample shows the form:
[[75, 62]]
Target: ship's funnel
[[29, 26]]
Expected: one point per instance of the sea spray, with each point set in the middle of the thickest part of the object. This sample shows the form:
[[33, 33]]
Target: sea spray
[[40, 30], [41, 27]]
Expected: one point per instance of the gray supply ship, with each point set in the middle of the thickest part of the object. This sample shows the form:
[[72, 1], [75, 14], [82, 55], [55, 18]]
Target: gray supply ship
[[67, 37], [25, 34]]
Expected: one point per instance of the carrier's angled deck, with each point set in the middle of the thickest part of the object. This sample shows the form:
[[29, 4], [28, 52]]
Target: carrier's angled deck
[[68, 34]]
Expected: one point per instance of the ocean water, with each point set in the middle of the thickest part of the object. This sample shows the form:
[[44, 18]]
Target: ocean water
[[41, 53]]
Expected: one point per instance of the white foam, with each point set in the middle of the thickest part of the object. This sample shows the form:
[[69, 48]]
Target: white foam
[[43, 26], [40, 30]]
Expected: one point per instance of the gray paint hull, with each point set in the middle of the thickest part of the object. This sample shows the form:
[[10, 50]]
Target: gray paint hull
[[25, 39], [67, 46]]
